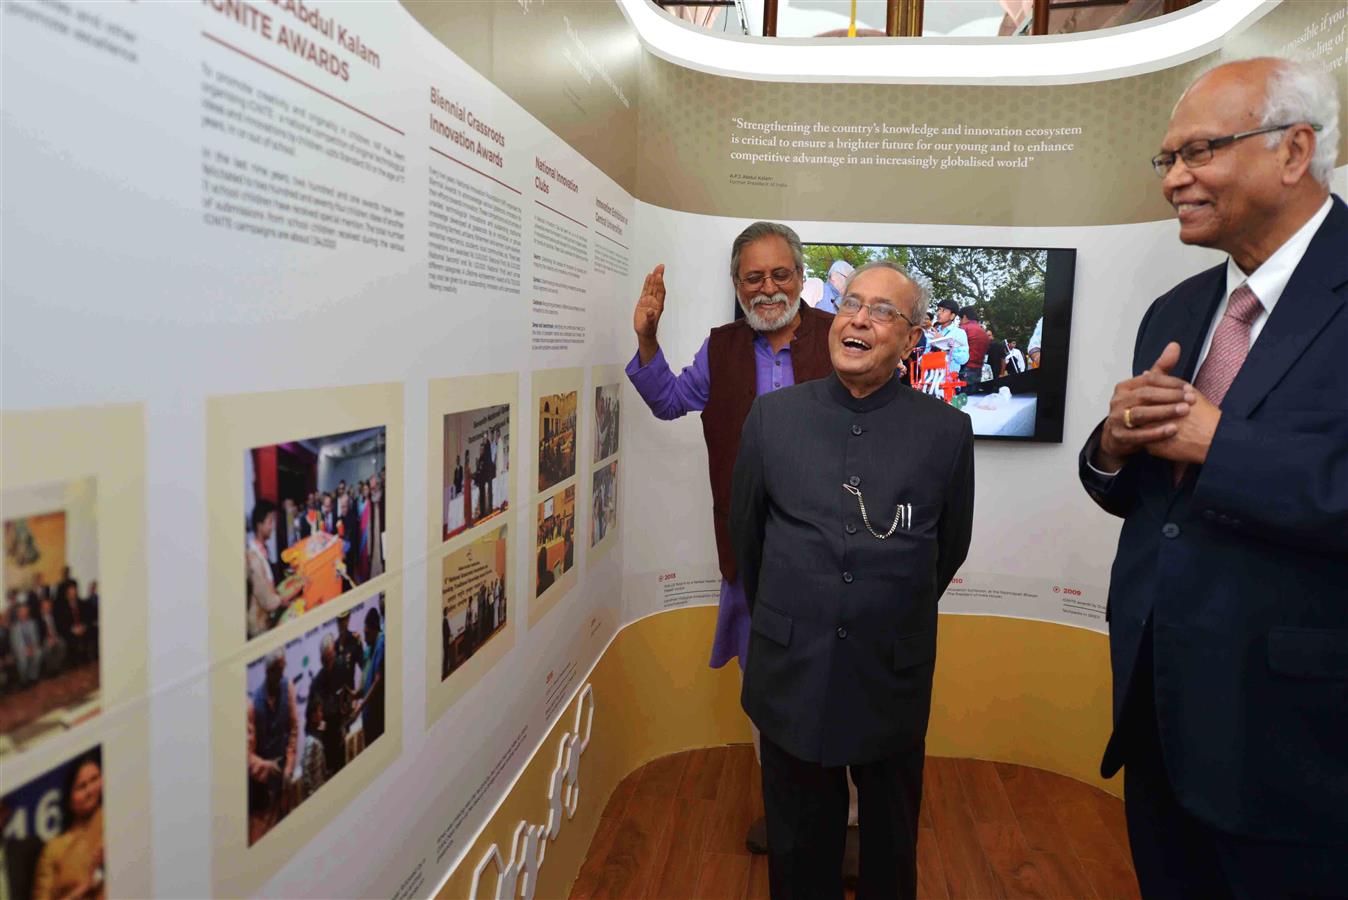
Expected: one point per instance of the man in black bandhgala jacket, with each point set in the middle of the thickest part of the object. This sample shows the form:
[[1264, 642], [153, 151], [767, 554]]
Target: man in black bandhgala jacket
[[851, 511]]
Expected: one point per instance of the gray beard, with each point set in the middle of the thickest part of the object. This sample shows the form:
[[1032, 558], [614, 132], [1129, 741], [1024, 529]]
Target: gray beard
[[758, 323]]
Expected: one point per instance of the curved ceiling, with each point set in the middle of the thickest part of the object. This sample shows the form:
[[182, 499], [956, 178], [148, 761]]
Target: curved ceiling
[[1097, 55]]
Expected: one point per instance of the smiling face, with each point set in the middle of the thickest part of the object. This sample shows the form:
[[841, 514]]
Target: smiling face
[[864, 352], [1226, 203], [771, 304]]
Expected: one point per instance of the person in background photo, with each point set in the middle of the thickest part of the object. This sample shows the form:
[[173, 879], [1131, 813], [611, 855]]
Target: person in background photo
[[273, 739], [71, 864], [948, 326], [978, 340], [371, 703], [1226, 456], [313, 762], [838, 273]]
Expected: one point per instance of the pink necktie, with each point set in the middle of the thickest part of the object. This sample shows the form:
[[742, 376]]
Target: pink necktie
[[1230, 346]]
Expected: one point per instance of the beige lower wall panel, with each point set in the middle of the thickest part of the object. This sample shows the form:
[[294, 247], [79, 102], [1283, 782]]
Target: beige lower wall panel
[[994, 698]]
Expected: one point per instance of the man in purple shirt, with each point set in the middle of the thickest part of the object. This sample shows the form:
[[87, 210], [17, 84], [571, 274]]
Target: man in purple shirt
[[779, 342]]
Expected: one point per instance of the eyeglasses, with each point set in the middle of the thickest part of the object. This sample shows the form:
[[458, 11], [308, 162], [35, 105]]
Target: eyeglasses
[[883, 313], [779, 277], [1199, 153]]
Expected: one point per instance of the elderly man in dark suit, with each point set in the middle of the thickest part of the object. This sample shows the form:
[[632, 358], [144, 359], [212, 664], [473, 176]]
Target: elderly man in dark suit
[[851, 511], [1227, 457]]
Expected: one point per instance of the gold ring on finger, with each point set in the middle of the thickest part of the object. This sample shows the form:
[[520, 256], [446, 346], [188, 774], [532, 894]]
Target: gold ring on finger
[[1128, 417]]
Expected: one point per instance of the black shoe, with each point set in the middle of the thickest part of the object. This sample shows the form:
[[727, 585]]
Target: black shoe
[[757, 838]]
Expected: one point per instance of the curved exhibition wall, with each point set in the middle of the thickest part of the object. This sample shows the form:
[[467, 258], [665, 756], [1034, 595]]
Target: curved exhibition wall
[[315, 315]]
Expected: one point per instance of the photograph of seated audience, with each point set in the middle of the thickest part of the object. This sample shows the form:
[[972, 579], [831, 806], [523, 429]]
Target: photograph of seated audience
[[604, 515], [314, 524], [556, 538], [476, 467], [53, 833], [313, 706], [473, 599], [49, 620], [556, 438], [605, 421]]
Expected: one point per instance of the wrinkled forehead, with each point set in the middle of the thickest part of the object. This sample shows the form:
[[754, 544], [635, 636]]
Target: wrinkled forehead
[[765, 254], [1225, 101]]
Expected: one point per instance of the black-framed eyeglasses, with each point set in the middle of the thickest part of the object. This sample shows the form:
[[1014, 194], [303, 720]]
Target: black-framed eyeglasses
[[1199, 153], [883, 313], [779, 277]]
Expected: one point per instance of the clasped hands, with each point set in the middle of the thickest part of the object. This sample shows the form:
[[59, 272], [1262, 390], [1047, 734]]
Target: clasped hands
[[1159, 413]]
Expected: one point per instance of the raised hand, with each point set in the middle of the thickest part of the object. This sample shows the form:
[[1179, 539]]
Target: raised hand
[[1144, 410], [646, 316]]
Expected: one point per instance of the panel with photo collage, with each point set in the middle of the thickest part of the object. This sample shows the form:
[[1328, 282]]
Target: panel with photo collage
[[73, 626], [304, 607], [471, 464]]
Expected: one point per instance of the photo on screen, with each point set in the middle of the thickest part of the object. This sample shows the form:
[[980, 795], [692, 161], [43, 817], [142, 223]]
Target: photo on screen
[[476, 467], [556, 538], [314, 523], [314, 705], [52, 828], [49, 625], [1007, 367], [605, 421], [604, 498], [556, 438], [472, 598]]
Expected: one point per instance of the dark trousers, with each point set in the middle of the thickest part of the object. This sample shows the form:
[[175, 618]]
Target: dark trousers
[[1177, 855], [806, 806]]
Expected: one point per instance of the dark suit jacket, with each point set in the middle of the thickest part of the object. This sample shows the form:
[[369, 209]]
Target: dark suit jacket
[[1243, 571], [843, 640]]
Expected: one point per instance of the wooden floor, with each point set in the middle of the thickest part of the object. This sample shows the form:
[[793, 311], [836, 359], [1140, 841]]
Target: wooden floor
[[675, 829]]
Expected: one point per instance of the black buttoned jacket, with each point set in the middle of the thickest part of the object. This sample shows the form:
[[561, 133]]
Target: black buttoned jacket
[[843, 641]]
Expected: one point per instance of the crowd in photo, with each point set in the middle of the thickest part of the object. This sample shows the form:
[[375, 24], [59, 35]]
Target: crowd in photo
[[604, 516], [477, 488], [605, 421], [46, 632], [306, 725], [466, 629], [556, 439], [53, 834], [318, 544]]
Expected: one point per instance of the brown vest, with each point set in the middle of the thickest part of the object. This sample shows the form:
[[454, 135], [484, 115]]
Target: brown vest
[[734, 384]]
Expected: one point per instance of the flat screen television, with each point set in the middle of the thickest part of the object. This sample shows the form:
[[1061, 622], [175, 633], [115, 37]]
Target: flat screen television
[[1021, 295]]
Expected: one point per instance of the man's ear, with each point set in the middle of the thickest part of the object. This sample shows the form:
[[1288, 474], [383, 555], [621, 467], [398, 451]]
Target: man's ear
[[1297, 148]]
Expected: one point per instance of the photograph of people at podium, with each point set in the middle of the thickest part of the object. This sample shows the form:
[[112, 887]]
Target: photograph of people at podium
[[49, 619], [314, 705], [556, 438], [472, 598], [53, 833], [986, 303], [605, 421], [604, 497], [476, 473], [556, 538], [314, 522]]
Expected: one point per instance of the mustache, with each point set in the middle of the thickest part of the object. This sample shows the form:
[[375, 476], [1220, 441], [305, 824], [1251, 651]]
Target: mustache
[[761, 299]]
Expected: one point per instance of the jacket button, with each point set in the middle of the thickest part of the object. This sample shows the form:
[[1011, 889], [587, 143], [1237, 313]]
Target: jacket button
[[854, 480], [847, 577], [856, 429], [851, 529], [1170, 530], [842, 632]]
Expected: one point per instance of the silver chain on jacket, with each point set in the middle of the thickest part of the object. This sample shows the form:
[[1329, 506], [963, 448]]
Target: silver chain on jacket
[[893, 526]]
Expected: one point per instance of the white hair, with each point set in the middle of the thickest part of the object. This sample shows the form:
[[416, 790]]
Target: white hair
[[920, 300], [1298, 92]]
